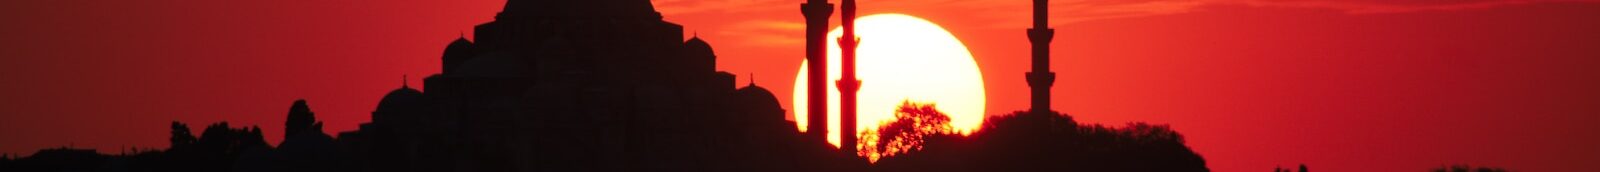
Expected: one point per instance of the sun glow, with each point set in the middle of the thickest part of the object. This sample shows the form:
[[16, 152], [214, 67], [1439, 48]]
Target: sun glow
[[901, 58]]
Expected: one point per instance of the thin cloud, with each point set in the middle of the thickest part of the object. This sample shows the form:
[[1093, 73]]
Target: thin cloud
[[766, 32], [1094, 10]]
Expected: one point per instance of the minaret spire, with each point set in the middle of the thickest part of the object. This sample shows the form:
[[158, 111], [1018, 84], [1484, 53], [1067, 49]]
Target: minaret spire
[[1041, 78], [817, 13], [848, 84]]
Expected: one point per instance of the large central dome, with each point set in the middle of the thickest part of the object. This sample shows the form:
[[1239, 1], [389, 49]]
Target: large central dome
[[579, 8]]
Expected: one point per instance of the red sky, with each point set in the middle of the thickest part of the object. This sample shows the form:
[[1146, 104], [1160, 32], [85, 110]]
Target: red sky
[[1338, 85]]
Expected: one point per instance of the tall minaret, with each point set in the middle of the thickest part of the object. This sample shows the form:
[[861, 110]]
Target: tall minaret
[[1040, 79], [848, 84], [816, 13]]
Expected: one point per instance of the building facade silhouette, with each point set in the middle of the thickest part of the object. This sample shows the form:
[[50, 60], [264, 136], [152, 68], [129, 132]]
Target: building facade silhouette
[[603, 85]]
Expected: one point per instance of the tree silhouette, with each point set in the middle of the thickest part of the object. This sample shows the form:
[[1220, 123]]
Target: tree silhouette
[[180, 135], [913, 123], [300, 119], [216, 148]]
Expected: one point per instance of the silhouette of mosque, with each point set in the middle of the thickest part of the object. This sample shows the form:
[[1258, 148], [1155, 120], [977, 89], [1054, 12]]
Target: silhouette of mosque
[[607, 85], [575, 85]]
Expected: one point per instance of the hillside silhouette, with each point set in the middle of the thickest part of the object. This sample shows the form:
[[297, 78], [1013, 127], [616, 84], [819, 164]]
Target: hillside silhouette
[[607, 85]]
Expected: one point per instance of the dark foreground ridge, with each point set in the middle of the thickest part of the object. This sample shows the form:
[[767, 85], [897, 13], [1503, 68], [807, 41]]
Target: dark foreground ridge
[[607, 85]]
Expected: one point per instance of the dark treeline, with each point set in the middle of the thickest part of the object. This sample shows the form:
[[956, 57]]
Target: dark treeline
[[216, 149], [219, 147], [1017, 142], [1024, 141]]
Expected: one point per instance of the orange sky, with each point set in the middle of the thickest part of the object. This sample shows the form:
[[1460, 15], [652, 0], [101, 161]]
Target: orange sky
[[1338, 85]]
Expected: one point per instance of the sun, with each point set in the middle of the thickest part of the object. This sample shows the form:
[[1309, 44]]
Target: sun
[[901, 57]]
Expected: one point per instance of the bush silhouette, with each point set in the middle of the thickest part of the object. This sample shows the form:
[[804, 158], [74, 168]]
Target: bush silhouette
[[913, 124]]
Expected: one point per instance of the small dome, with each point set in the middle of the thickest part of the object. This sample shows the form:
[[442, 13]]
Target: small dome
[[402, 99], [461, 42], [758, 100], [459, 51], [696, 46]]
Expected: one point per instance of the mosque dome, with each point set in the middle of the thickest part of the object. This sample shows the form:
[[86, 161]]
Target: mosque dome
[[698, 47], [459, 51], [400, 101], [759, 101], [459, 43], [699, 56]]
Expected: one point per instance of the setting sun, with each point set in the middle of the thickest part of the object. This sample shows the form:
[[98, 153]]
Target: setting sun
[[901, 58]]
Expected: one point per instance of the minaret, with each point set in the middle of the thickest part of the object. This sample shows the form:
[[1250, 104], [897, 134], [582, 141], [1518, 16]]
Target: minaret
[[848, 84], [816, 13], [1040, 79]]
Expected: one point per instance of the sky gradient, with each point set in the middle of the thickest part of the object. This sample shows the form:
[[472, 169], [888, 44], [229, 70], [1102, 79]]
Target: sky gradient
[[1338, 85]]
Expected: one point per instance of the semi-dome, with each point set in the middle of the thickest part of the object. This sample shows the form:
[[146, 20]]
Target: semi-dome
[[495, 65]]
